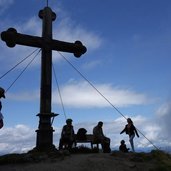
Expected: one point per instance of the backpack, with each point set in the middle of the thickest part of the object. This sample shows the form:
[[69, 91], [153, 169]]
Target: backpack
[[81, 134]]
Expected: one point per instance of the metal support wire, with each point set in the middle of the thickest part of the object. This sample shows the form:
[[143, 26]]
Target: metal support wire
[[23, 70], [60, 96], [91, 84], [18, 64]]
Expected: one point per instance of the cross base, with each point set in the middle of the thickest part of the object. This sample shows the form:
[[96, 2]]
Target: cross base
[[44, 141], [49, 150]]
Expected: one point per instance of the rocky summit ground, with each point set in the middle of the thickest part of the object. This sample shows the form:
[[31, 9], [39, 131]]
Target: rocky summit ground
[[115, 161]]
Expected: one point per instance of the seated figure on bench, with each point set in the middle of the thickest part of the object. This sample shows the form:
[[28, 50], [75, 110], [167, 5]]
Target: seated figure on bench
[[67, 135], [99, 137]]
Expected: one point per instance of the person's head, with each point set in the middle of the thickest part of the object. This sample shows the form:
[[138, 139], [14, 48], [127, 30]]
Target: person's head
[[129, 121], [69, 121], [2, 92], [100, 124], [122, 142]]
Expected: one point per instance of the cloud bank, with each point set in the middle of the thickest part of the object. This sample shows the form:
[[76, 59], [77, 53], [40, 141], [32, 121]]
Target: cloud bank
[[22, 138], [83, 95], [164, 118], [80, 94]]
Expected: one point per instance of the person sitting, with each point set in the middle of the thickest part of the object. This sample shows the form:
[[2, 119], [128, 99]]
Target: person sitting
[[123, 147], [67, 135], [99, 137]]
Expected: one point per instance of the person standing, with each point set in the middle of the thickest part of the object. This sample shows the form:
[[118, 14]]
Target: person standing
[[101, 138], [131, 131], [2, 94]]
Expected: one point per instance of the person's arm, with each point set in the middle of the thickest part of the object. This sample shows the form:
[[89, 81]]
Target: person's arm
[[1, 116], [94, 131], [97, 133], [73, 130], [124, 130], [136, 131], [0, 105], [73, 133], [102, 132], [63, 131]]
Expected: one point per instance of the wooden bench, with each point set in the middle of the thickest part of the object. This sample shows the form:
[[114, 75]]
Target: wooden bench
[[89, 139]]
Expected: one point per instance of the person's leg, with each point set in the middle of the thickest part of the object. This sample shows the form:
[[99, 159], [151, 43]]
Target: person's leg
[[70, 144], [60, 144], [106, 145], [132, 142], [107, 140]]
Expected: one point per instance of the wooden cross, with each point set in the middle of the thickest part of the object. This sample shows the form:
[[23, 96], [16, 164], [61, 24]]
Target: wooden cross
[[44, 141]]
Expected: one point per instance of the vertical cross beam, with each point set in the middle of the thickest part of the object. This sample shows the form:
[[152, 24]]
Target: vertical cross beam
[[45, 131]]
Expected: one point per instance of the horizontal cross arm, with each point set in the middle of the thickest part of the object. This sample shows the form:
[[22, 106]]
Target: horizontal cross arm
[[11, 37], [76, 48]]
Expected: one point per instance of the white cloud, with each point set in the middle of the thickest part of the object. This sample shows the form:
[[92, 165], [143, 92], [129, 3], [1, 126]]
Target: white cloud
[[83, 95], [73, 33], [163, 119], [33, 26], [164, 109], [16, 139], [152, 131]]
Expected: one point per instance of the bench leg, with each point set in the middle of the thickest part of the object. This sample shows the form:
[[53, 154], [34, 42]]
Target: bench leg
[[91, 145], [97, 145]]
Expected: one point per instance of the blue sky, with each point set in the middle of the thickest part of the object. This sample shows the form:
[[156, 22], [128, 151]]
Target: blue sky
[[127, 60]]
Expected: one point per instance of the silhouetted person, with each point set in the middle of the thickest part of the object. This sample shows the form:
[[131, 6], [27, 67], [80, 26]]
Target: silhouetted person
[[123, 147], [67, 135], [2, 94], [99, 137], [131, 131]]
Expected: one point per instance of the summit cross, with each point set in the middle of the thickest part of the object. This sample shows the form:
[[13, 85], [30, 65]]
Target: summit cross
[[44, 140]]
